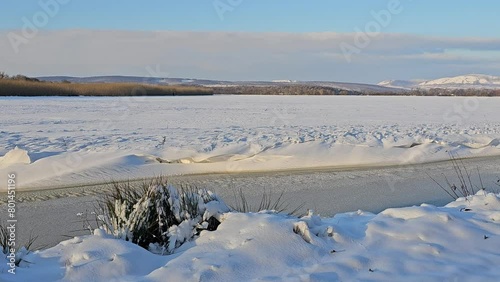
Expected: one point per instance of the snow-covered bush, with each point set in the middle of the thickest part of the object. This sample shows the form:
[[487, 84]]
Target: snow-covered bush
[[161, 217]]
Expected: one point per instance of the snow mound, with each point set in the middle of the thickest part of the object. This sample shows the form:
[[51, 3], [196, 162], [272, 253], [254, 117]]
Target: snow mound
[[457, 242], [15, 156]]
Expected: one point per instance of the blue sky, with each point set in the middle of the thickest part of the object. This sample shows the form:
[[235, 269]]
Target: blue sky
[[427, 39], [430, 17]]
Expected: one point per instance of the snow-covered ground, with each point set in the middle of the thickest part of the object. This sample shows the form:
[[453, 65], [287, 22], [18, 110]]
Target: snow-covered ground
[[69, 141], [72, 140], [458, 242]]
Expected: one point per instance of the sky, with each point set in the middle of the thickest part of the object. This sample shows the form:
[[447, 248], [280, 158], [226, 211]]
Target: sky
[[352, 41]]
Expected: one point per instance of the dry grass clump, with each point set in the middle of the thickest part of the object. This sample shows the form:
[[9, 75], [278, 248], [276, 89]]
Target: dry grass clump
[[12, 87], [465, 186], [268, 202]]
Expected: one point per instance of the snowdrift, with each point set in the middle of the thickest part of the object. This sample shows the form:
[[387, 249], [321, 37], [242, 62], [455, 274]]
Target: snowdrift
[[457, 242]]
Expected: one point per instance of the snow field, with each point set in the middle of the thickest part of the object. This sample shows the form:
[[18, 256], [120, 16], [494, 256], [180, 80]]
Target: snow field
[[77, 140]]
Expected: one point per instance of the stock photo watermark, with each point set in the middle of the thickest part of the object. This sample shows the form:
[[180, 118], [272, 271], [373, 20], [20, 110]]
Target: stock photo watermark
[[11, 223], [363, 36], [222, 7], [457, 114], [460, 112], [31, 25], [120, 110]]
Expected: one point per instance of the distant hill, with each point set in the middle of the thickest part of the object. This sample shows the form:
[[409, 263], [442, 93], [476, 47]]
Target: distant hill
[[470, 81], [474, 84], [400, 84], [357, 87]]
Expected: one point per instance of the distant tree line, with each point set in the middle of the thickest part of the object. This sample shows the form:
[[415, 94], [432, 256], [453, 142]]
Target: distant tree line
[[324, 90], [19, 77], [283, 90]]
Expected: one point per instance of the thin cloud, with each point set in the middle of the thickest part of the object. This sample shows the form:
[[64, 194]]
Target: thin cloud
[[246, 56]]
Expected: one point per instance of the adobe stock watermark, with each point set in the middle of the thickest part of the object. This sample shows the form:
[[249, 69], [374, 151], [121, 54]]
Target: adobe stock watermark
[[32, 25], [281, 118], [363, 37], [121, 109], [11, 223], [460, 112], [222, 7], [409, 166], [457, 114]]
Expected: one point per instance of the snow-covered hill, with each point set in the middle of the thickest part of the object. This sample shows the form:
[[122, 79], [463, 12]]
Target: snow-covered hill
[[462, 81], [403, 84], [472, 79]]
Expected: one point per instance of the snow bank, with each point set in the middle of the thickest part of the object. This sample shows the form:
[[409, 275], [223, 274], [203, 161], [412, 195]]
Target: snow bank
[[458, 242]]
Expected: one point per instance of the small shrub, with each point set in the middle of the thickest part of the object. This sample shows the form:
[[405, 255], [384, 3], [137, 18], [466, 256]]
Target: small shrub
[[160, 217]]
